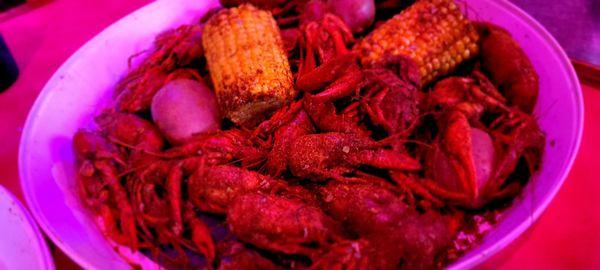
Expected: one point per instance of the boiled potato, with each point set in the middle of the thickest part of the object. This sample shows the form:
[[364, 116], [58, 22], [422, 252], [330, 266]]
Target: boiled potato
[[183, 108]]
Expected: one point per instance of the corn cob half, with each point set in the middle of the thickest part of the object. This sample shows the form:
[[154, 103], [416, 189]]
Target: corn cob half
[[433, 33], [247, 64]]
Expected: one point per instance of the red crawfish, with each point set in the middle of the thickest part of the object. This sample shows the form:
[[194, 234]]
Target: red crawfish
[[171, 58], [334, 155], [398, 232], [281, 224], [214, 188]]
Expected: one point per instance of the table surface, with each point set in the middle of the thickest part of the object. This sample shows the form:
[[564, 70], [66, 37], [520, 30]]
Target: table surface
[[41, 39]]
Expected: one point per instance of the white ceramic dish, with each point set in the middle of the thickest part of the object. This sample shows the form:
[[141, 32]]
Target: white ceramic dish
[[83, 85], [22, 245]]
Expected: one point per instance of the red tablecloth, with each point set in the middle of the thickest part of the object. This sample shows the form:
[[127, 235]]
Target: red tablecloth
[[41, 40]]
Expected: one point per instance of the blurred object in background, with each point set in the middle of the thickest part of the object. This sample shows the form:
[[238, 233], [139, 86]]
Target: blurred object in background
[[12, 8], [576, 26], [588, 73], [6, 4], [8, 68]]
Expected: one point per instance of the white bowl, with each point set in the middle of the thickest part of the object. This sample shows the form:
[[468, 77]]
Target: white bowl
[[23, 246], [83, 85]]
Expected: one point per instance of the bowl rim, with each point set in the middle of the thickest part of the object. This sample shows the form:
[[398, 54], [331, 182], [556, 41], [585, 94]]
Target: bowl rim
[[25, 136], [469, 263], [29, 225]]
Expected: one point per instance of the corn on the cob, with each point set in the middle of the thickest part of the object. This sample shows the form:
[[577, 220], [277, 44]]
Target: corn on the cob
[[247, 64], [433, 33]]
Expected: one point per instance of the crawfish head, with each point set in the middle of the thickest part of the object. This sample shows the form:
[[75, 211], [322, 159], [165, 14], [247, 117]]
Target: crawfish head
[[338, 74], [92, 146], [178, 47], [281, 224], [331, 155], [131, 130], [515, 137], [404, 68], [390, 102], [214, 189], [509, 67], [470, 95], [397, 231], [299, 125], [221, 147], [141, 87]]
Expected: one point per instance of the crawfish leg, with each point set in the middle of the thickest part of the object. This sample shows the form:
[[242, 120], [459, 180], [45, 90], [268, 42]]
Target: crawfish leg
[[415, 187], [127, 219], [376, 115], [201, 236], [174, 193], [436, 189], [109, 226], [344, 86], [325, 73], [280, 118]]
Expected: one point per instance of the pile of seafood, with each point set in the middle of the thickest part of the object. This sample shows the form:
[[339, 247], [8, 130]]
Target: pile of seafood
[[338, 134]]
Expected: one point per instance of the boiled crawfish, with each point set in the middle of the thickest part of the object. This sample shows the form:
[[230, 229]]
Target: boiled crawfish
[[333, 155], [138, 135], [396, 230], [220, 147], [175, 53], [100, 161], [509, 67], [285, 126], [470, 161], [473, 96], [214, 189], [163, 217], [329, 71], [341, 178], [338, 74], [280, 224], [392, 99]]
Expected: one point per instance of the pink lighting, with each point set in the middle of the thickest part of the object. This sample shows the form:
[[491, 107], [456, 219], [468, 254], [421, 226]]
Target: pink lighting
[[43, 38]]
